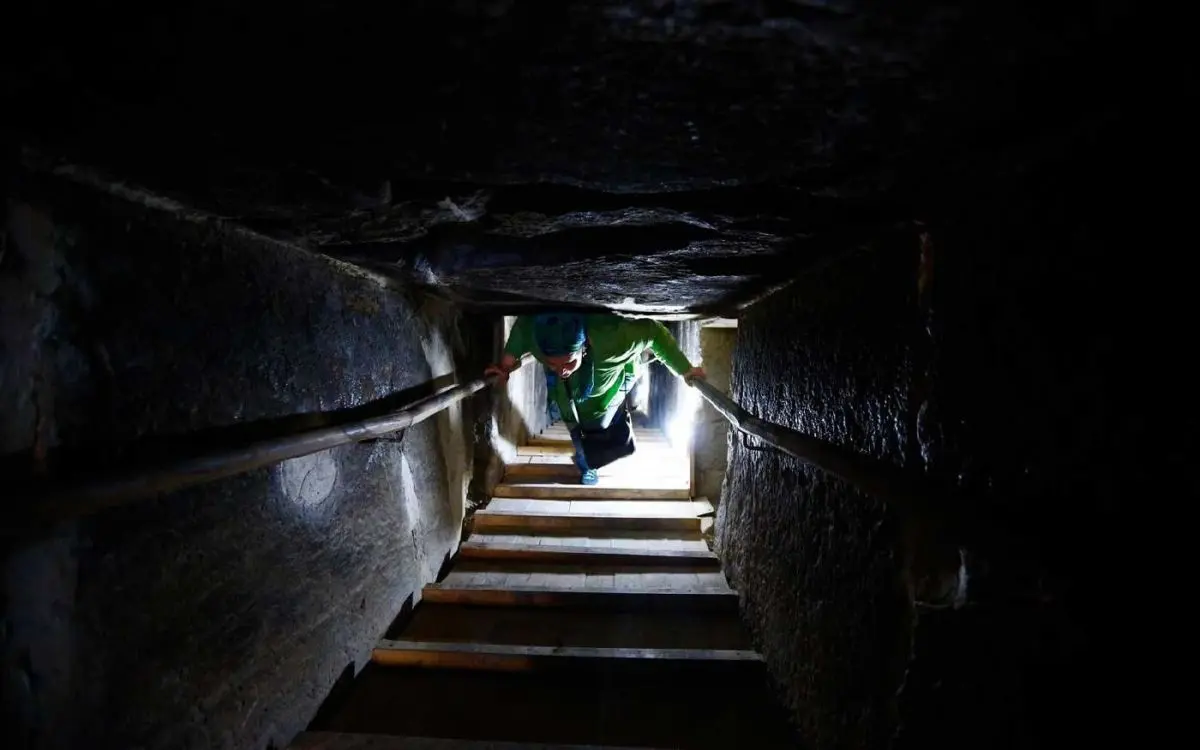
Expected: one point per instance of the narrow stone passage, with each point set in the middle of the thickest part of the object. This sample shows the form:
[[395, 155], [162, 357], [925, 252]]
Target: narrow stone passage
[[576, 616], [920, 235]]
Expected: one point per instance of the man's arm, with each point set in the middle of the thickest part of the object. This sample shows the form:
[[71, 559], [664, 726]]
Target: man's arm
[[566, 407], [520, 343], [664, 346]]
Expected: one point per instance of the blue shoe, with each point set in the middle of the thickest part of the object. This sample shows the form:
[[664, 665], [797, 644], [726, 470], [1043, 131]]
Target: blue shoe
[[589, 477]]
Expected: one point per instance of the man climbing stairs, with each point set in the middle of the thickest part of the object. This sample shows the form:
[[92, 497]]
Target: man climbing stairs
[[572, 616]]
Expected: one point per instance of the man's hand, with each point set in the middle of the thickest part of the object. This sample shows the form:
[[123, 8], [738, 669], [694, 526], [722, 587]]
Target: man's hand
[[500, 373], [692, 374], [508, 363]]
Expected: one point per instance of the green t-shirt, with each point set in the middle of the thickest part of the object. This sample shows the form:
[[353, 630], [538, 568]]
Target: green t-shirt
[[614, 346]]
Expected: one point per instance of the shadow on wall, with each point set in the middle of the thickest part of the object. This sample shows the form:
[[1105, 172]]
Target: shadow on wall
[[815, 560], [711, 442], [65, 464], [505, 417], [443, 347], [126, 325], [950, 350], [673, 404]]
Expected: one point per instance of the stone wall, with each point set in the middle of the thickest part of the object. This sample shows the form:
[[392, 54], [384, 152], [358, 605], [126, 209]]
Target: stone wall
[[507, 416], [995, 354], [672, 404], [811, 557], [712, 430], [218, 616]]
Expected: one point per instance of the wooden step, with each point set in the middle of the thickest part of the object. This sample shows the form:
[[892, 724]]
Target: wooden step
[[640, 466], [474, 549], [675, 490], [557, 449], [628, 703], [565, 473], [549, 441], [552, 435], [349, 741], [590, 506], [504, 657], [571, 627], [615, 539], [639, 432], [554, 438], [605, 575], [516, 520], [503, 583], [592, 515], [649, 469], [649, 457], [699, 600]]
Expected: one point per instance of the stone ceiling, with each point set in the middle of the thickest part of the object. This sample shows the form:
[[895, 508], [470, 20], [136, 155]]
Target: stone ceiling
[[652, 156]]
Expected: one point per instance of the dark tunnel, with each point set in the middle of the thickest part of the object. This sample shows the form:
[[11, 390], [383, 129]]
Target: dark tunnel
[[916, 232]]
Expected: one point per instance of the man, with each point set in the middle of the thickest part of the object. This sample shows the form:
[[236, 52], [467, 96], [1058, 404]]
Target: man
[[595, 359]]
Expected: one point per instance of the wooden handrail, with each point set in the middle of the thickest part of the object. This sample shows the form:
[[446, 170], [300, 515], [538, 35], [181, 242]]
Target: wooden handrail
[[868, 474], [94, 495]]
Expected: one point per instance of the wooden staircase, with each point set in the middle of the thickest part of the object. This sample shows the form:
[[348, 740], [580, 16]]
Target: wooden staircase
[[572, 617]]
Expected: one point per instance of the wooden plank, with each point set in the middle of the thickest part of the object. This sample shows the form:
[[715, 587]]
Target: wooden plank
[[523, 504], [536, 470], [683, 508], [601, 507], [541, 574], [507, 657], [644, 461], [615, 484], [555, 577], [639, 432], [642, 443], [592, 540], [562, 437], [567, 627], [549, 441], [600, 581], [537, 516], [579, 555], [699, 599], [656, 538], [638, 704], [610, 476], [643, 439], [557, 449], [352, 741], [545, 472], [635, 508], [561, 459], [485, 519], [543, 490], [644, 454]]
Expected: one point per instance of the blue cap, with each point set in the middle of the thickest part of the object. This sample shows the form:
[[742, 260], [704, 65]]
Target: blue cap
[[557, 334]]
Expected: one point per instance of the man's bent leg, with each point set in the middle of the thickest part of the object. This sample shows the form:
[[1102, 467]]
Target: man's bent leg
[[587, 475], [609, 437], [606, 419]]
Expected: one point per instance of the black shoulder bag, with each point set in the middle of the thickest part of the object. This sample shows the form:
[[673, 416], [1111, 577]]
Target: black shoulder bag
[[603, 446]]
